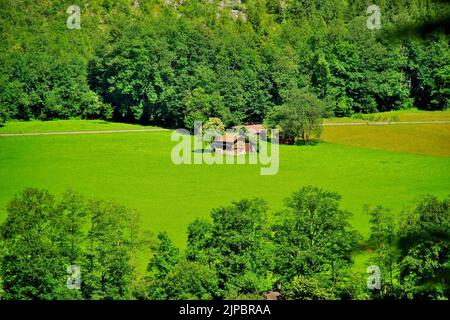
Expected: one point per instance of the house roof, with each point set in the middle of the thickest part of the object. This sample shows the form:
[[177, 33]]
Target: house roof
[[227, 138], [256, 128], [253, 128]]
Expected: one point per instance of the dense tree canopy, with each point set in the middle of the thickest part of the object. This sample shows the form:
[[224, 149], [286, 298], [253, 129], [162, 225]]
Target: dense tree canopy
[[237, 246], [43, 236], [171, 64], [238, 254], [313, 238], [424, 243]]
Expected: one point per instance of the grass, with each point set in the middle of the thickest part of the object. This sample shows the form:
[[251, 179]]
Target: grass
[[427, 139], [415, 115], [135, 169], [397, 116], [66, 126]]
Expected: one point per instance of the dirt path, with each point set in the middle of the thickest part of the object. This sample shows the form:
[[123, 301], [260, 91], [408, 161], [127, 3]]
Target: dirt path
[[79, 132]]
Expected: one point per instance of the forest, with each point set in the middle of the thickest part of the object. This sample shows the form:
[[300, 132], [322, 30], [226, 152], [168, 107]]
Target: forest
[[238, 253], [169, 63]]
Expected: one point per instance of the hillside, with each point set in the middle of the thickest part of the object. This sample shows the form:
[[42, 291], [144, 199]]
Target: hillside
[[169, 63]]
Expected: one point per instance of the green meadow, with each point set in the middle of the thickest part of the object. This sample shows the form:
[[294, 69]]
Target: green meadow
[[396, 116], [66, 126], [135, 169]]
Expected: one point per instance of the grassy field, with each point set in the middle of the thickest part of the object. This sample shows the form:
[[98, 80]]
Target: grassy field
[[136, 169], [401, 115], [66, 126], [426, 139]]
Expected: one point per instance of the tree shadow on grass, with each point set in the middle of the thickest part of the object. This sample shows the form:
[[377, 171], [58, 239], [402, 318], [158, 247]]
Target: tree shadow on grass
[[203, 150], [311, 142]]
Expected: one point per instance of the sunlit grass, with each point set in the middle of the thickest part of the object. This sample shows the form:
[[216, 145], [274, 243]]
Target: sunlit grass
[[394, 116], [427, 139], [66, 126], [136, 169]]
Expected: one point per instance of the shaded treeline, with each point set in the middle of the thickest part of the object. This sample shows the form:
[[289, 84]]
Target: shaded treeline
[[153, 63], [309, 247]]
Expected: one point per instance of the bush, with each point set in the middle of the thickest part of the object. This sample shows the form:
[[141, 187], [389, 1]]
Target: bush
[[308, 288], [213, 128]]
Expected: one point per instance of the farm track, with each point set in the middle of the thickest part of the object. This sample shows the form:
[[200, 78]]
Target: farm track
[[161, 129]]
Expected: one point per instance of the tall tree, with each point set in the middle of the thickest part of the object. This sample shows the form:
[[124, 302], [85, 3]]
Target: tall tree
[[424, 243], [299, 118], [313, 237], [165, 257], [33, 256], [237, 246], [107, 271], [383, 240]]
